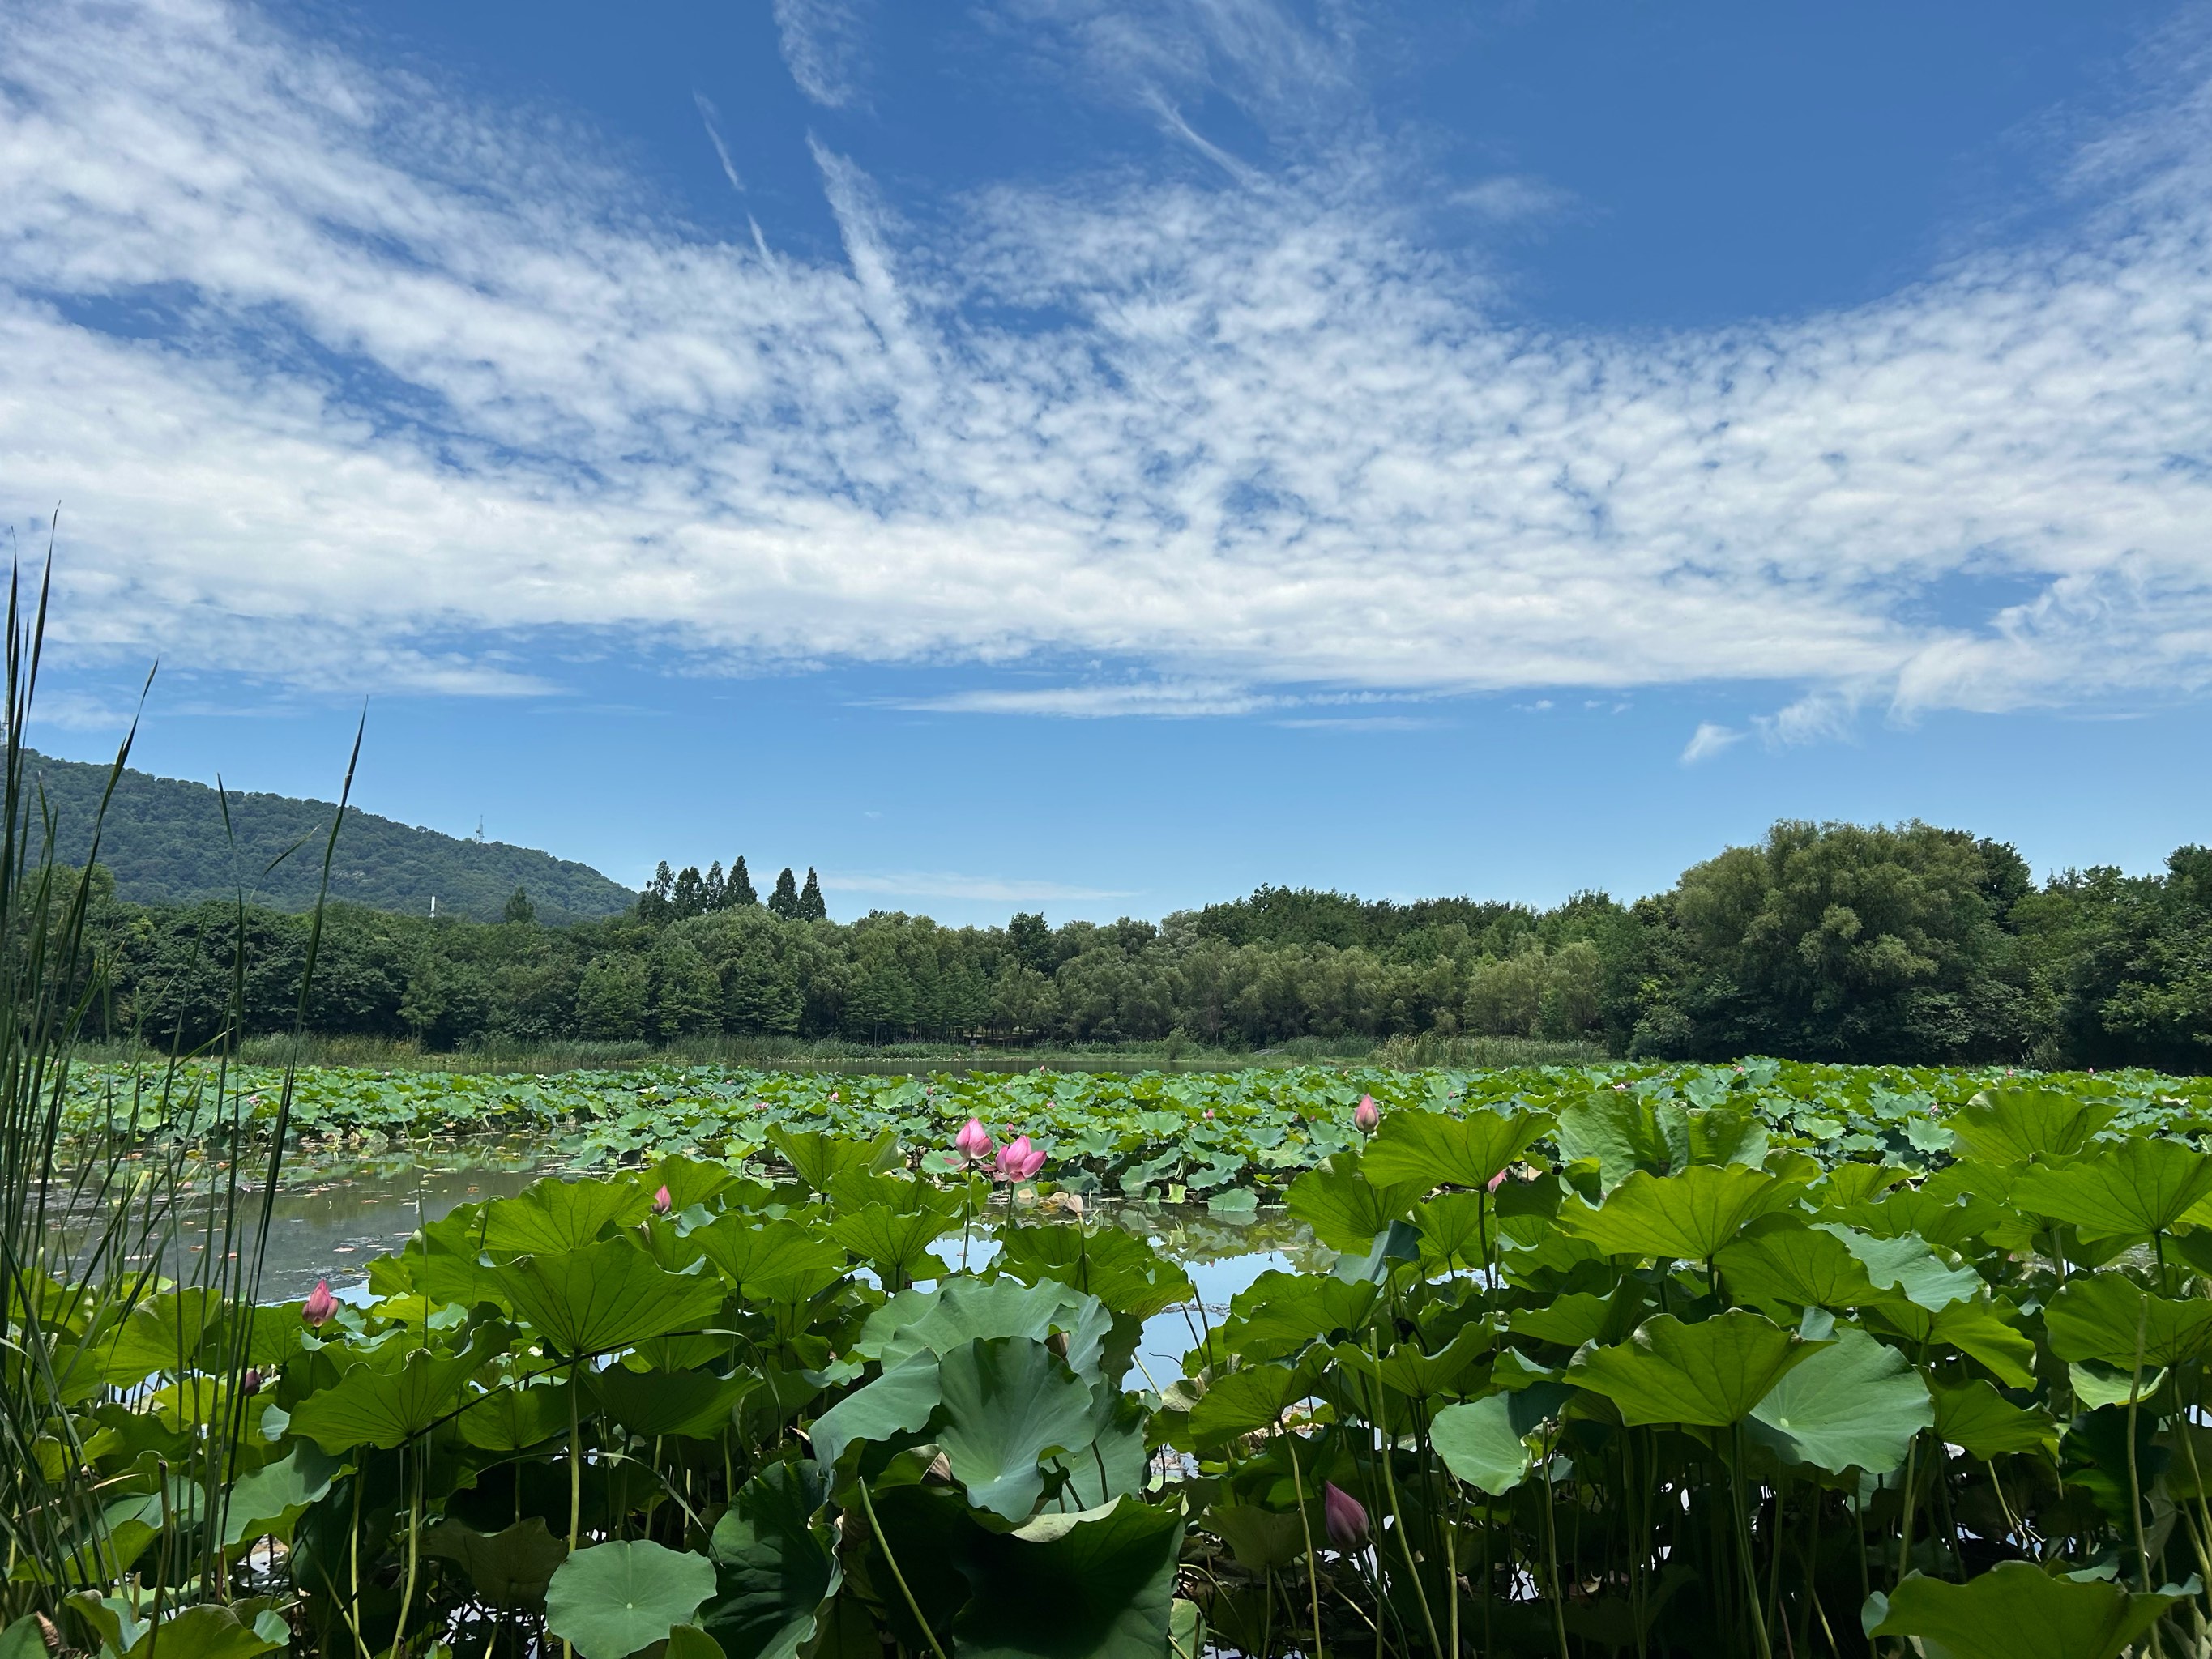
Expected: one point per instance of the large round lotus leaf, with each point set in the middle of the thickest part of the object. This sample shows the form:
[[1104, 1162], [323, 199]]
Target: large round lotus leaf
[[611, 1600], [2139, 1185], [1710, 1374], [1431, 1150], [1853, 1405], [1009, 1402], [2108, 1317], [1685, 1217], [606, 1295], [2017, 1611]]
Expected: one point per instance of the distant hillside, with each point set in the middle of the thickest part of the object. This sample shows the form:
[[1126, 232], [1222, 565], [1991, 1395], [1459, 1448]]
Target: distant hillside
[[165, 840]]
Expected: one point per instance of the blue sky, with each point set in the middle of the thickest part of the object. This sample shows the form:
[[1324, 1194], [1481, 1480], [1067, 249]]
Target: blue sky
[[1098, 457]]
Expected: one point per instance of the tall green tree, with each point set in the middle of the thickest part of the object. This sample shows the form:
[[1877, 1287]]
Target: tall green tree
[[811, 907], [737, 891], [518, 908], [784, 901]]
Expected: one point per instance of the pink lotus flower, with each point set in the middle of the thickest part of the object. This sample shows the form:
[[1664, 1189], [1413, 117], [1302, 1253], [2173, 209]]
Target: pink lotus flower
[[974, 1141], [321, 1305], [251, 1383], [1019, 1160], [1497, 1180], [1345, 1516], [1209, 1111], [661, 1201], [1366, 1115]]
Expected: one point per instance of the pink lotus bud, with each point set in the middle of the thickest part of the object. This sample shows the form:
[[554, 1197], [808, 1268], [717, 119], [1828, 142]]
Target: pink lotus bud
[[319, 1306], [974, 1141], [1366, 1114], [1345, 1516], [251, 1383], [661, 1201], [1018, 1160], [1209, 1111], [1497, 1181]]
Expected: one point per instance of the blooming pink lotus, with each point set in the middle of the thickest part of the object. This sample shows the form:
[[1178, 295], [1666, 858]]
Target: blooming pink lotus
[[1345, 1516], [1366, 1115], [1019, 1160], [974, 1141], [661, 1201], [321, 1305]]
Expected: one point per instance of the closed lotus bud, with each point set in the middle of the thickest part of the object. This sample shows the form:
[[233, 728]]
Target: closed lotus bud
[[1345, 1516], [661, 1201], [251, 1383], [1366, 1115], [321, 1305], [1498, 1180], [974, 1141]]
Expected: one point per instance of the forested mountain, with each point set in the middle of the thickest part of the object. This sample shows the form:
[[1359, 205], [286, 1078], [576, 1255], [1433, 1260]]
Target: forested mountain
[[165, 842]]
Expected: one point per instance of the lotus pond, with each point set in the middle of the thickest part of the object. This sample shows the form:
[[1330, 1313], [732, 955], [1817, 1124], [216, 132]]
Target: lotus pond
[[1615, 1371]]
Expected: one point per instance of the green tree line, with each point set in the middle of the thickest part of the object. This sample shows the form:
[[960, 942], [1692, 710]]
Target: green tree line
[[1824, 942]]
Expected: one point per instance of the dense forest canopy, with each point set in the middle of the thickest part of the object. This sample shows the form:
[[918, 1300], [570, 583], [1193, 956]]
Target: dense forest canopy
[[166, 842], [1826, 941]]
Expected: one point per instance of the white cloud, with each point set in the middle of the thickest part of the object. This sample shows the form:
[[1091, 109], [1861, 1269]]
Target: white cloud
[[945, 884], [336, 375], [1509, 198], [1709, 740], [824, 43]]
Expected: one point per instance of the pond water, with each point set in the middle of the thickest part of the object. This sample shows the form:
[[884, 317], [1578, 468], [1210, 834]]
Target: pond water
[[333, 1216]]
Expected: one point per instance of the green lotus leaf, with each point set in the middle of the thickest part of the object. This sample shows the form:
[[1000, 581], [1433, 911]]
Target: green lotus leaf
[[774, 1260], [1410, 1371], [1781, 1258], [1974, 1327], [2108, 1317], [1486, 1442], [1121, 1269], [895, 1244], [171, 1332], [1685, 1217], [1261, 1540], [1710, 1374], [513, 1417], [1095, 1584], [510, 1568], [2011, 1125], [819, 1158], [606, 1295], [689, 1181], [1278, 1313], [2017, 1611], [268, 1503], [1854, 1404], [1620, 1132], [242, 1629], [961, 1310], [899, 1403], [611, 1600], [653, 1403], [1907, 1265], [1975, 1416], [1009, 1402], [778, 1564], [1345, 1209], [554, 1215], [1427, 1150], [385, 1408], [1251, 1399], [2136, 1188], [1455, 1228]]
